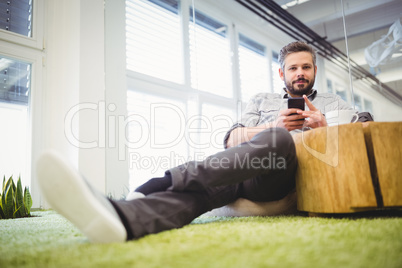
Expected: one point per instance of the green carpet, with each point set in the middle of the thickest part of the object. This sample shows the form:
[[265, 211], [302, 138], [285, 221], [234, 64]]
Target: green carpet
[[48, 240]]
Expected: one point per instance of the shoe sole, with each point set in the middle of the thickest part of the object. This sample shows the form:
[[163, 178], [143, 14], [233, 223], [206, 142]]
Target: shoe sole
[[67, 193]]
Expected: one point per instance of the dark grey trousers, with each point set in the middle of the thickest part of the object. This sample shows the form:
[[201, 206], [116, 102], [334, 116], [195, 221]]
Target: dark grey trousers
[[260, 170]]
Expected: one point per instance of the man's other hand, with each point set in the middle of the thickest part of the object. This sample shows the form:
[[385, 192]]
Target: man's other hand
[[290, 119], [314, 117]]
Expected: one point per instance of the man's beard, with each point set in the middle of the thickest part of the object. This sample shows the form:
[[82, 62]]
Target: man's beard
[[294, 89]]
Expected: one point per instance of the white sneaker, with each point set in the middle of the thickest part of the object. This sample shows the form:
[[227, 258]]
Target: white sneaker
[[70, 195]]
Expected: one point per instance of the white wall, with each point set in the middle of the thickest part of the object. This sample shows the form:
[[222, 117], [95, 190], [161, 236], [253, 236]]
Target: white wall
[[117, 175], [61, 79], [92, 92]]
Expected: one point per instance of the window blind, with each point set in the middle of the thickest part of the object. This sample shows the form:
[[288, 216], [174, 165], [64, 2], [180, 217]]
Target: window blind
[[153, 39], [254, 71], [16, 16], [15, 78], [210, 60]]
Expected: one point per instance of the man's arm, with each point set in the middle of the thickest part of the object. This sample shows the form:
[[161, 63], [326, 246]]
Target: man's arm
[[244, 134], [288, 119]]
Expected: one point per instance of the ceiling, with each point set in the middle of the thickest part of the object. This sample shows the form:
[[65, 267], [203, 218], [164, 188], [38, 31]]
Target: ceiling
[[366, 22]]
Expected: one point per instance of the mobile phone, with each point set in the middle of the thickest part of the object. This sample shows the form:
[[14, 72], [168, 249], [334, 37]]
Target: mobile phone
[[296, 103]]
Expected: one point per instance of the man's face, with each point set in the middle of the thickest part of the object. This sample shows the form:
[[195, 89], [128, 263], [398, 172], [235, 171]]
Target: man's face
[[298, 73]]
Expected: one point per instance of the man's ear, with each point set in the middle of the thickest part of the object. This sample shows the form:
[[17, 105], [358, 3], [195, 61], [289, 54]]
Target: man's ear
[[281, 74]]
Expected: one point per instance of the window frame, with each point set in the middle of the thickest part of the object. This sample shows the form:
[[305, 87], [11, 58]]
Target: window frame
[[37, 39]]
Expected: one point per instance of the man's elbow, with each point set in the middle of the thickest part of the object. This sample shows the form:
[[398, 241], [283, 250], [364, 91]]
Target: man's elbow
[[229, 143], [233, 140]]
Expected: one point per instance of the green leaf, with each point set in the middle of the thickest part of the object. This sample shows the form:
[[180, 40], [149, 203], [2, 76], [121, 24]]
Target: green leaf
[[19, 200], [13, 184], [4, 183], [9, 204], [2, 216], [8, 184], [27, 201], [3, 202], [16, 213]]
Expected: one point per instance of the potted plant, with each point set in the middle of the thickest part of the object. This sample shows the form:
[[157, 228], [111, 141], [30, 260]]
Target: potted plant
[[14, 203]]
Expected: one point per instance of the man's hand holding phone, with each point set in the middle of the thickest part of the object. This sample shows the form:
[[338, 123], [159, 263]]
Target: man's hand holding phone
[[295, 117], [290, 118]]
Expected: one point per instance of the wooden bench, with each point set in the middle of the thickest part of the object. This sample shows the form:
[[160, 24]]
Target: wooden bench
[[349, 168]]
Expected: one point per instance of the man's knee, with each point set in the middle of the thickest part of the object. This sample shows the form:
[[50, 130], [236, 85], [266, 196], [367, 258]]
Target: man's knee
[[274, 138], [278, 147]]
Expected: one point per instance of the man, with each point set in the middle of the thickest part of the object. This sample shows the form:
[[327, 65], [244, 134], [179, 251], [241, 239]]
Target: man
[[265, 110], [259, 164]]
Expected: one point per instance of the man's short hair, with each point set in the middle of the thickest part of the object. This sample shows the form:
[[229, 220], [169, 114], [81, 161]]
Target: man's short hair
[[297, 46]]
